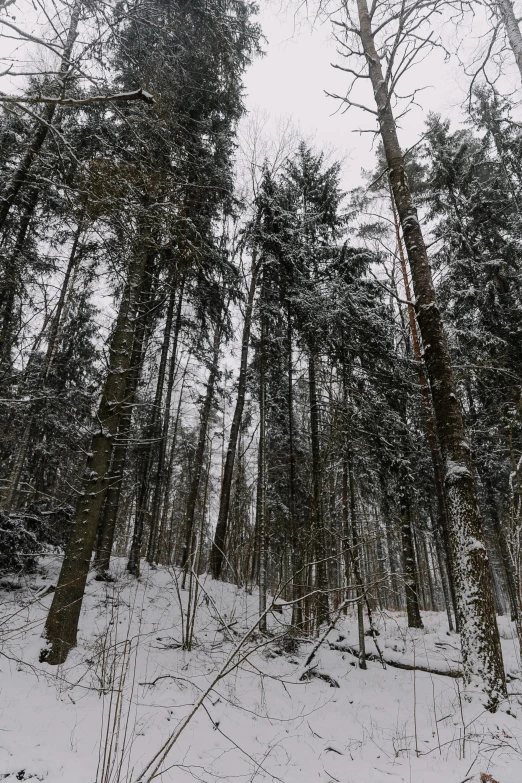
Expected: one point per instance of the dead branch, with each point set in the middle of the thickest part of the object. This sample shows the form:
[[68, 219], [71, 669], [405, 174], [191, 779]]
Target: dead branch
[[453, 673]]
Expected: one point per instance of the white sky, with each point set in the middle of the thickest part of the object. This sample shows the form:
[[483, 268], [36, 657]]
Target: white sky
[[293, 76]]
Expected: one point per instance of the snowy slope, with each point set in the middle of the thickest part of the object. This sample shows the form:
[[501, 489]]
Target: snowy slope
[[128, 686]]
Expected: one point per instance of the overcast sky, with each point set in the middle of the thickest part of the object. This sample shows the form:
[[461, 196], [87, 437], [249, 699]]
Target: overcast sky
[[292, 78]]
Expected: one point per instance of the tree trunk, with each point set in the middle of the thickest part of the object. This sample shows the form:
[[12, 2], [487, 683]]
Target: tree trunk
[[409, 569], [156, 434], [481, 650], [200, 449], [509, 565], [62, 621], [218, 546], [261, 487], [350, 521], [431, 434], [318, 532], [442, 563], [162, 473], [107, 527], [168, 477], [507, 12], [296, 529]]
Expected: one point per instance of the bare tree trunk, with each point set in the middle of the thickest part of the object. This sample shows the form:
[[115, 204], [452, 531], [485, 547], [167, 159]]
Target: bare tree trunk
[[162, 472], [261, 486], [442, 563], [296, 529], [409, 568], [168, 476], [507, 12], [354, 550], [318, 531], [62, 621], [156, 430], [218, 545], [481, 650], [200, 448]]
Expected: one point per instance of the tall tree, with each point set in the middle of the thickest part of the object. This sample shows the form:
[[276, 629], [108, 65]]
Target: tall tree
[[482, 655]]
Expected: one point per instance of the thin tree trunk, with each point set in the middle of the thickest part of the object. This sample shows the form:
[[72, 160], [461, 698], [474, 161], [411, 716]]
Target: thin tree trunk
[[200, 448], [170, 468], [162, 474], [62, 621], [354, 549], [442, 563], [318, 531], [480, 641], [410, 571], [296, 530], [157, 426], [261, 487], [429, 576], [509, 567], [218, 546]]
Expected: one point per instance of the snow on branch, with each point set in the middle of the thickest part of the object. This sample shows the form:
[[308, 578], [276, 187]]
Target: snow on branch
[[136, 95]]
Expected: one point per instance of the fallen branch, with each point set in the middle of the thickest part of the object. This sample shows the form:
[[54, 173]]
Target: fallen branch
[[164, 677], [454, 673], [227, 627], [311, 674]]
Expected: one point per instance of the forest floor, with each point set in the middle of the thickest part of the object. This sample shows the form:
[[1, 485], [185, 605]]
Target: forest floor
[[129, 685]]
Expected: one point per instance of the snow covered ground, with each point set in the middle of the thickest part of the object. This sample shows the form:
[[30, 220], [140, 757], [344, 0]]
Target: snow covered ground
[[128, 686]]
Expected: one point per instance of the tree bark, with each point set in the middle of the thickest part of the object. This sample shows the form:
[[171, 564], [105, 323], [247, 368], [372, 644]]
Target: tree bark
[[298, 547], [509, 19], [62, 621], [107, 527], [480, 641]]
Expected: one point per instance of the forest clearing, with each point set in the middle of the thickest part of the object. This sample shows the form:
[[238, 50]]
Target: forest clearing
[[260, 393]]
